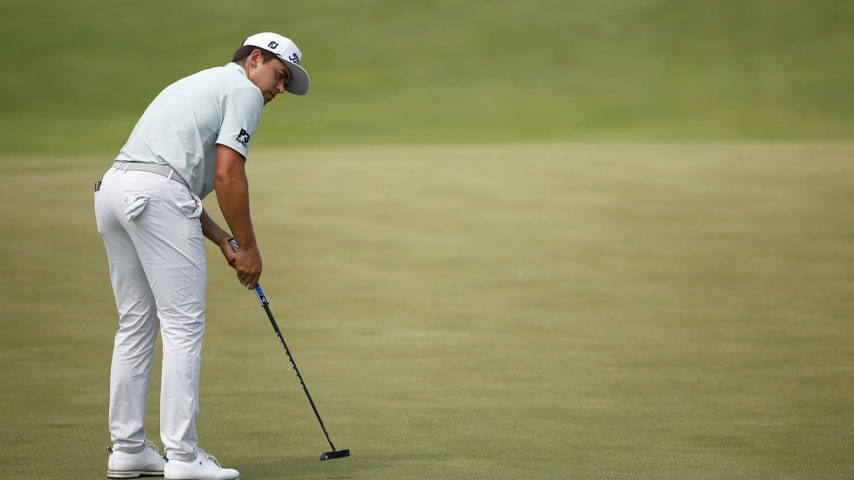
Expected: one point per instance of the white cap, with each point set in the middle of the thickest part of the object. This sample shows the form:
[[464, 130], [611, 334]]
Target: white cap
[[286, 50]]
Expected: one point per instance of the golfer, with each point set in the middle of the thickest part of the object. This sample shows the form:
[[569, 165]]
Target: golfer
[[193, 139]]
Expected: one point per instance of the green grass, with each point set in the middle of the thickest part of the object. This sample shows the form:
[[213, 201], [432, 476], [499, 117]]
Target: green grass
[[545, 311], [388, 72], [622, 249]]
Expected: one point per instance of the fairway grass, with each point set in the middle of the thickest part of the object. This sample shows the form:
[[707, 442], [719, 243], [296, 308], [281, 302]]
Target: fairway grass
[[588, 311]]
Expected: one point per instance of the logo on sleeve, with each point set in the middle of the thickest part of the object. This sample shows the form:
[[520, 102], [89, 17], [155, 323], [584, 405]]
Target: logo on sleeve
[[243, 137]]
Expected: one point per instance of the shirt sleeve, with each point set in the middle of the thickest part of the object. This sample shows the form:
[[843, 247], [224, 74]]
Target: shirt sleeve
[[241, 111]]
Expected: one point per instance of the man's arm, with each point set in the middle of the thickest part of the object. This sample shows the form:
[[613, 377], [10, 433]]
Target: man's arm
[[232, 192], [217, 235]]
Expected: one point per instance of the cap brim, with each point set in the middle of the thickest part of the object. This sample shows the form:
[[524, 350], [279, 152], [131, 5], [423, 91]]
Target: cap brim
[[299, 78]]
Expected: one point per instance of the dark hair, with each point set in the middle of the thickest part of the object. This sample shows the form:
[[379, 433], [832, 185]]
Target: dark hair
[[247, 50]]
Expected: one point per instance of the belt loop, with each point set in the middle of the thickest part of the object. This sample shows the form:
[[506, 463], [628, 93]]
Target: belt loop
[[126, 165], [169, 177]]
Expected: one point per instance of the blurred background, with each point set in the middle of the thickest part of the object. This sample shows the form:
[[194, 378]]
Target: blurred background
[[505, 239], [77, 74]]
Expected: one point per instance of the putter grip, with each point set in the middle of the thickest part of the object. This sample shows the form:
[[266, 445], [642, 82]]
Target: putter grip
[[258, 291]]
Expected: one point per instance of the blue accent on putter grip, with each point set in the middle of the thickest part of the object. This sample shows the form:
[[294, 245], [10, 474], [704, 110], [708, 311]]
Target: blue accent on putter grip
[[261, 297]]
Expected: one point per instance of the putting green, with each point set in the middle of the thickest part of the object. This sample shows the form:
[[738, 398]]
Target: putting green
[[541, 311]]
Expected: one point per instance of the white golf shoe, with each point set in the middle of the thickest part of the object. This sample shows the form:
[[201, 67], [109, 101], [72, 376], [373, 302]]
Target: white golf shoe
[[203, 467], [147, 463]]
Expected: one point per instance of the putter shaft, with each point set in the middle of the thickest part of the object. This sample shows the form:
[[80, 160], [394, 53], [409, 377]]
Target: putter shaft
[[265, 304]]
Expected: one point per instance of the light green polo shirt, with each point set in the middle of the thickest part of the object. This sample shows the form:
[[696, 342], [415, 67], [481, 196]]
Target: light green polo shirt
[[183, 125]]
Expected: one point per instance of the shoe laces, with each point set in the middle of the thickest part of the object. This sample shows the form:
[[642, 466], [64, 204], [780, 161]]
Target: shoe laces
[[210, 457]]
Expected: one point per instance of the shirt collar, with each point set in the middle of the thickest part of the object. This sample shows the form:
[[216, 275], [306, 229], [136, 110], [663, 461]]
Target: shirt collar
[[234, 66]]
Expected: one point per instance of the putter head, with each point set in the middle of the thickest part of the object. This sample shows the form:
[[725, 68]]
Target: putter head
[[335, 454]]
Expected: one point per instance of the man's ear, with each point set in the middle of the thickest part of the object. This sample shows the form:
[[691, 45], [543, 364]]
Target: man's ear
[[256, 58]]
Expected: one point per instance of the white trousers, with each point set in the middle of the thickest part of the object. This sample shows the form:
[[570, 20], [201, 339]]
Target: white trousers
[[155, 248]]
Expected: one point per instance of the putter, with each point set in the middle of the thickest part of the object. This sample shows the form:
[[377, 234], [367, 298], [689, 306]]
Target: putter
[[266, 305]]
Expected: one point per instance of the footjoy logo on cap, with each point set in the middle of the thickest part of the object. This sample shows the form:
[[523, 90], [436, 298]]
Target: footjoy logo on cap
[[274, 45]]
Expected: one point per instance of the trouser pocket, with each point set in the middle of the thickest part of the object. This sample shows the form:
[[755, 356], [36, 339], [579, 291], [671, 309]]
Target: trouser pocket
[[135, 203], [191, 205]]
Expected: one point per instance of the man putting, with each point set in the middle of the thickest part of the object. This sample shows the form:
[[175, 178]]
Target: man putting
[[192, 139]]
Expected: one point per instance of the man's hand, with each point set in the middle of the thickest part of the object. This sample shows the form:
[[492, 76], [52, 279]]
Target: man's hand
[[247, 273], [228, 252], [248, 266]]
